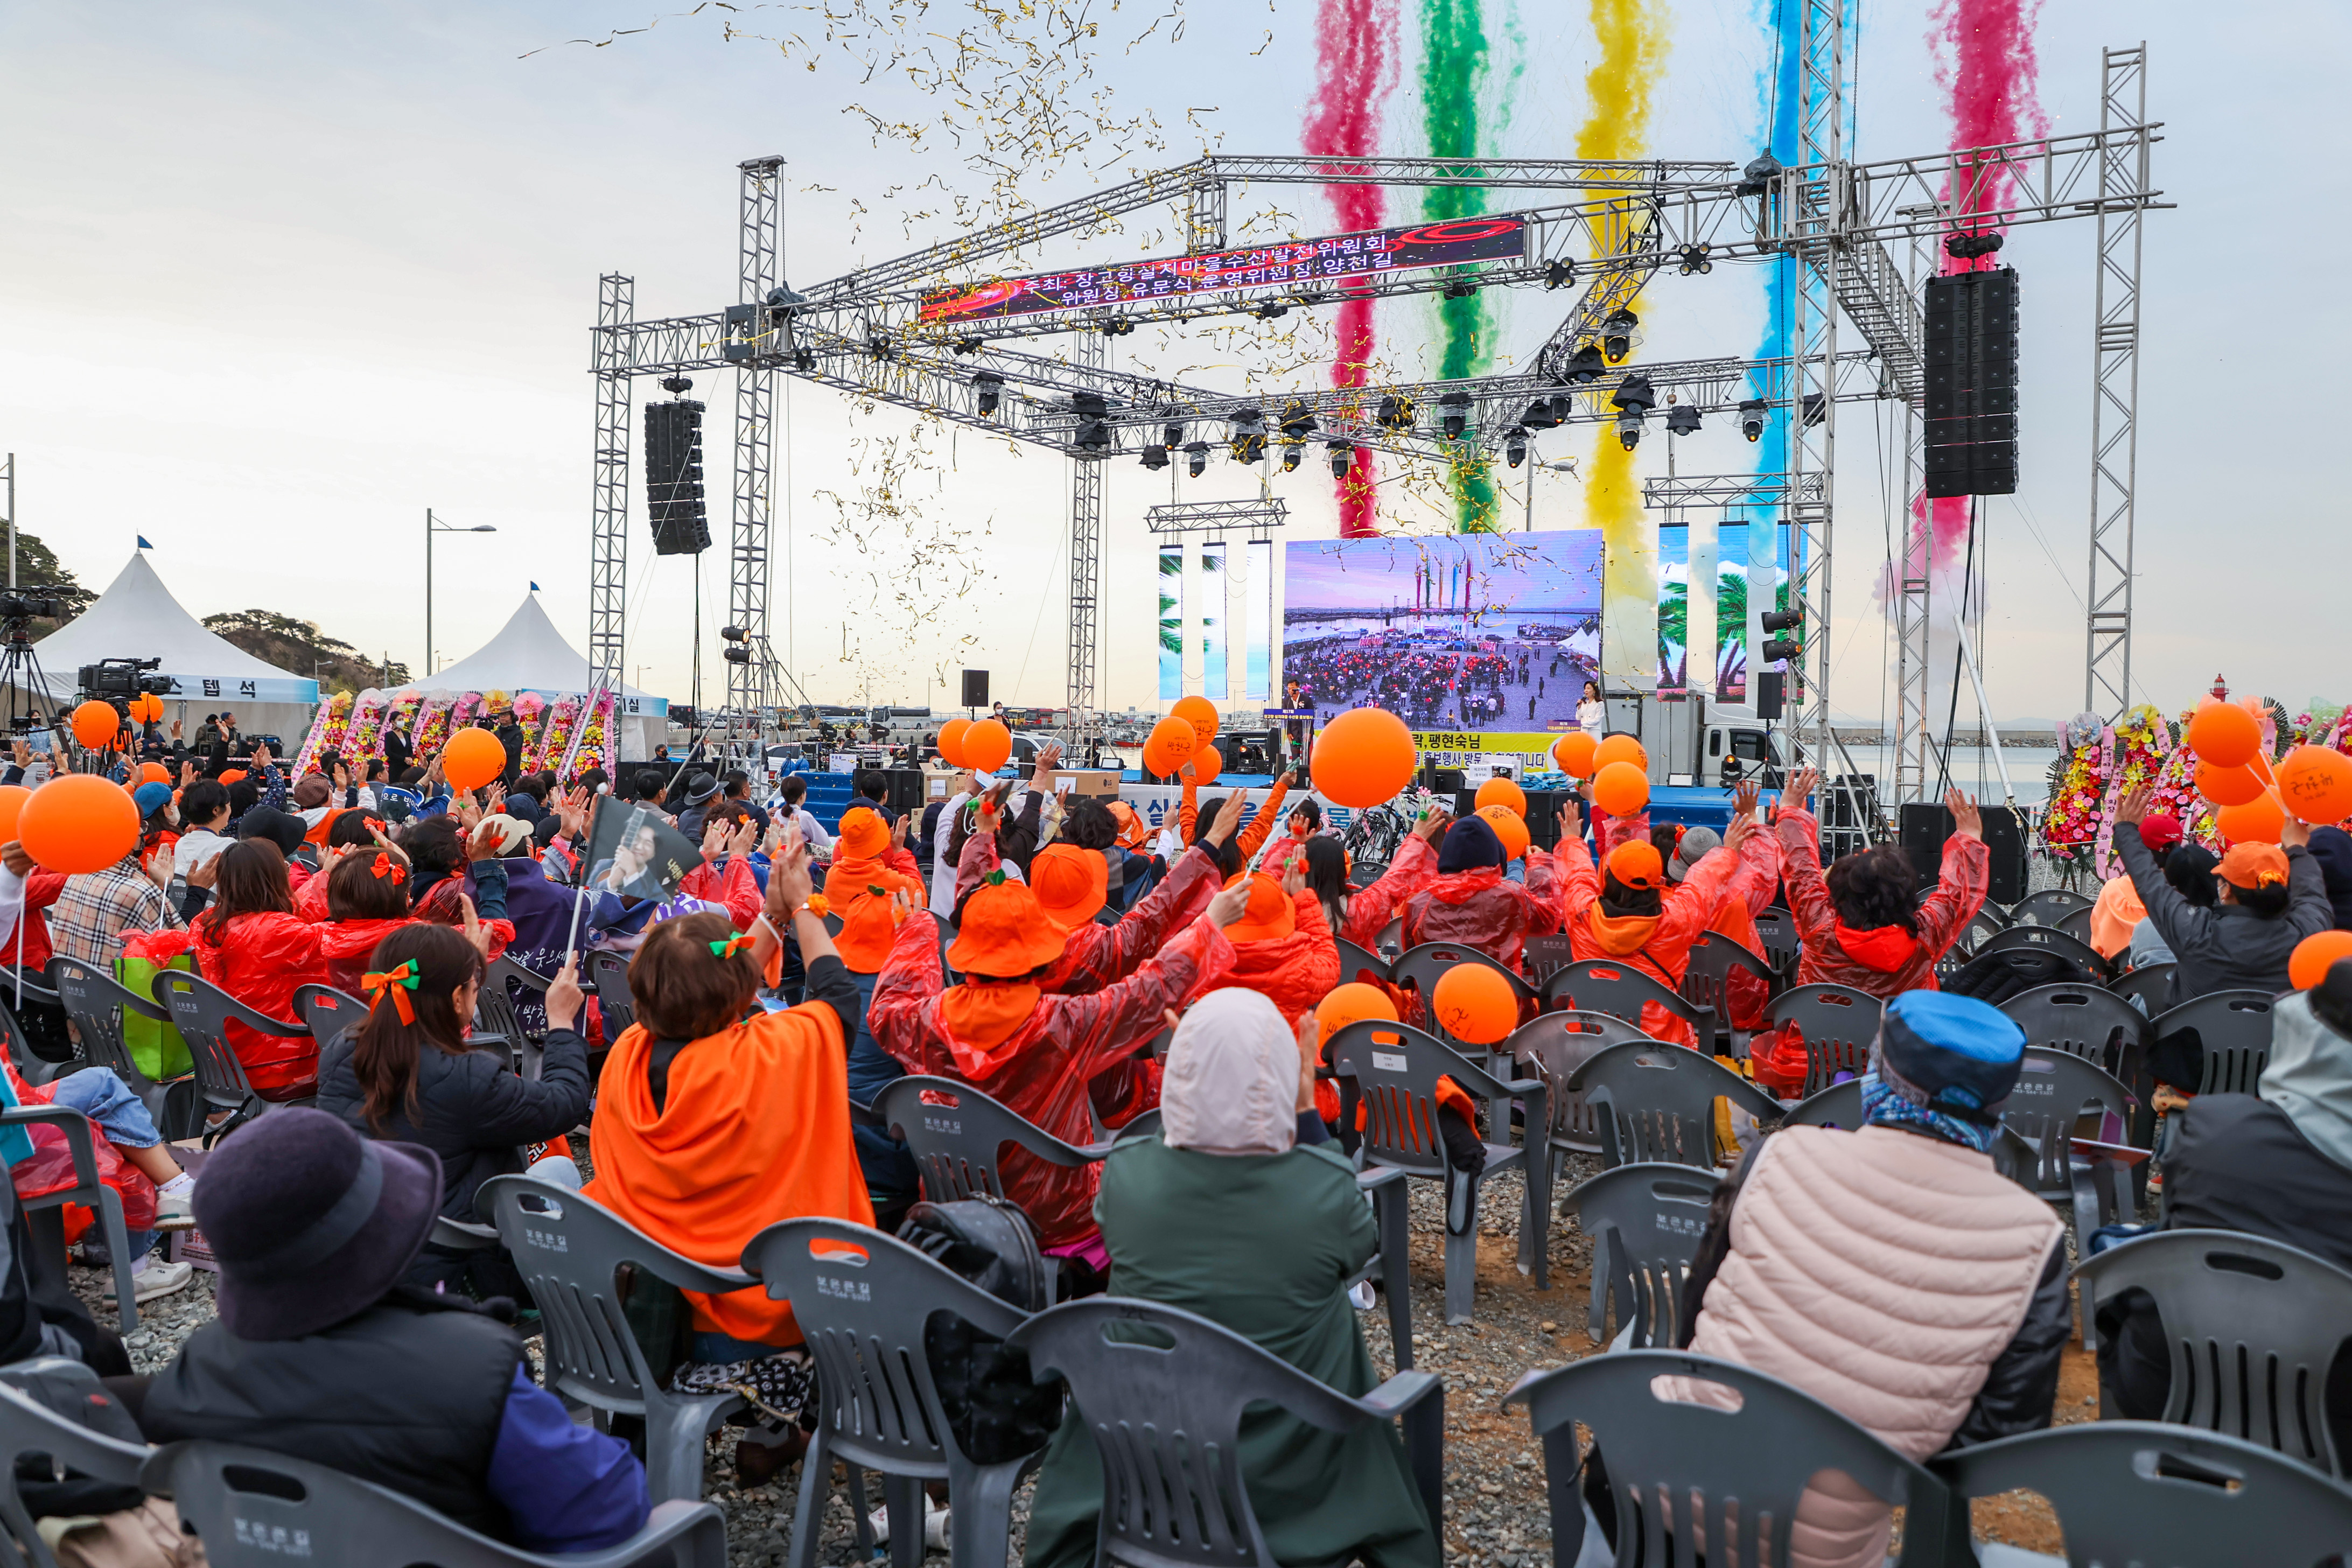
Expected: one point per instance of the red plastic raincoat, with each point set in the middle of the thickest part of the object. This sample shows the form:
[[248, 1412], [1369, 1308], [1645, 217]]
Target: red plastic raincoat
[[1292, 971], [1886, 960], [1656, 945], [262, 959], [1481, 908], [1371, 908]]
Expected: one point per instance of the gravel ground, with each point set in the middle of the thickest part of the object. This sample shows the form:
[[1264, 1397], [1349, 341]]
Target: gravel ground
[[1495, 1508]]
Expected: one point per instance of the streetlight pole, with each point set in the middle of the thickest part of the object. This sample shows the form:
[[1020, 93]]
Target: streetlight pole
[[432, 527], [1566, 467]]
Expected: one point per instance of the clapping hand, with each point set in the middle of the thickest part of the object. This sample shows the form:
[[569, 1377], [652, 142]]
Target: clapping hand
[[789, 884], [1743, 798], [1228, 817], [714, 838]]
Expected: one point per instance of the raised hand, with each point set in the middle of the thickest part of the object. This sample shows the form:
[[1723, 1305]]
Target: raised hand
[[2294, 832], [476, 931], [12, 856], [482, 843], [714, 838], [745, 837], [1310, 1056], [1801, 785], [564, 998], [2132, 808], [1229, 905], [1743, 798], [1228, 817], [1967, 821], [1571, 821], [1294, 876], [1432, 825], [899, 832], [789, 884], [1743, 828]]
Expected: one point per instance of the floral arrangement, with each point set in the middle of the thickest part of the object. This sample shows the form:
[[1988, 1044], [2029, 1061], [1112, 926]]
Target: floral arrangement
[[2070, 823], [402, 715], [328, 736], [496, 702], [594, 735], [319, 721], [561, 718], [431, 726], [2176, 789], [2147, 742], [465, 710]]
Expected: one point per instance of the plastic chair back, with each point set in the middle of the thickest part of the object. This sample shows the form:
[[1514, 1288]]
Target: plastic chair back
[[1553, 1046], [2053, 1088], [255, 1509], [203, 1011], [1544, 956], [608, 975], [2081, 1020], [2048, 906], [87, 1190], [1839, 1105], [958, 1134], [1420, 968], [1163, 1393], [329, 1013], [1714, 957], [2075, 923], [2047, 938], [32, 1068], [1776, 934], [1356, 964], [1645, 1222], [1681, 1470], [29, 1427], [1838, 1023], [97, 1003], [2151, 983], [1616, 987], [1655, 1102], [2235, 1026], [2252, 1325], [2139, 1492], [1396, 1067], [495, 1010]]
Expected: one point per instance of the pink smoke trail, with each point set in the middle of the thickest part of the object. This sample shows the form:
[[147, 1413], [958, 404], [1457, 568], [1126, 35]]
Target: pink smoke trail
[[1354, 50]]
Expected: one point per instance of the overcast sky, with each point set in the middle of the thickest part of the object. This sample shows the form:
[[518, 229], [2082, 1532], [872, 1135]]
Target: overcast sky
[[278, 278]]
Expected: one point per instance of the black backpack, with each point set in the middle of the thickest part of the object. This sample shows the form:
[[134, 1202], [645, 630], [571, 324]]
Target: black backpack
[[996, 1410]]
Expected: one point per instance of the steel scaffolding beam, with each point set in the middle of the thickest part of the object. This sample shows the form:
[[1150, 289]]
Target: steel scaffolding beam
[[1815, 216], [1085, 560], [752, 522], [2114, 382], [608, 527], [1915, 749]]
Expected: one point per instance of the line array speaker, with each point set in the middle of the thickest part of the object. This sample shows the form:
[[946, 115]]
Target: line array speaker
[[1972, 435], [674, 478]]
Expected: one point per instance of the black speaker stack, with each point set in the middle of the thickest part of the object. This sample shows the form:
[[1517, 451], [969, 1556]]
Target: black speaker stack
[[975, 688], [1925, 826], [673, 477], [1971, 445]]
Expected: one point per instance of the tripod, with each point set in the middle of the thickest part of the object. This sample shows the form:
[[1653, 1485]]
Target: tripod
[[20, 672]]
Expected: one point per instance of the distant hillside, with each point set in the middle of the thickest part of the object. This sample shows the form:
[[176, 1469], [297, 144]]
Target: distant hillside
[[300, 648]]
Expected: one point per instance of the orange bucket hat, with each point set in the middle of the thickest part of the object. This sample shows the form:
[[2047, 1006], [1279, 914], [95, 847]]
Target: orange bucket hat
[[1635, 864], [1005, 931], [1133, 831], [868, 927], [1072, 884], [864, 835], [1271, 915], [2252, 866]]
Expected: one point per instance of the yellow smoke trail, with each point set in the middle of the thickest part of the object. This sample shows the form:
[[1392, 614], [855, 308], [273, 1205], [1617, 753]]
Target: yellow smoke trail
[[1621, 90]]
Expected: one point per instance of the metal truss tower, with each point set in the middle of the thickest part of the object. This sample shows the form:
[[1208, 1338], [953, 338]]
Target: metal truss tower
[[608, 531], [2115, 381], [1085, 556], [1915, 751], [749, 687]]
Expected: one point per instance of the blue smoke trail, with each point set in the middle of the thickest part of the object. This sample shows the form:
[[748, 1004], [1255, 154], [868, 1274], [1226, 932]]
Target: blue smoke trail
[[1777, 121]]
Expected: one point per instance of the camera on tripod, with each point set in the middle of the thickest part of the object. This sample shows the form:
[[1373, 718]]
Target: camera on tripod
[[117, 680], [29, 605]]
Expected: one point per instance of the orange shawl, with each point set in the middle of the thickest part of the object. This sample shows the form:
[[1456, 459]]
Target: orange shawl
[[756, 1130]]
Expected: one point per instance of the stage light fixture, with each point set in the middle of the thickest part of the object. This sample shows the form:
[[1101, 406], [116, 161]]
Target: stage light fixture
[[1814, 409], [1781, 621], [1780, 648], [737, 655], [1343, 458], [1394, 414], [1461, 289], [880, 347], [1682, 421], [1586, 365], [991, 388], [1094, 431], [1196, 457], [1515, 446], [1543, 414], [782, 299], [1272, 311], [804, 359], [968, 345], [1694, 259], [1291, 453], [1758, 177], [1751, 418], [1559, 274], [1634, 392], [1248, 435], [1617, 334], [1629, 429], [1968, 247], [1172, 435], [1118, 327], [1454, 415], [1155, 457], [733, 634]]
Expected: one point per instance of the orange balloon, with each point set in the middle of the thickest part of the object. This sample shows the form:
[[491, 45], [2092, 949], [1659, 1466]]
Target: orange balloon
[[96, 724], [1352, 1004], [2225, 735], [2256, 822], [1502, 792], [12, 801], [1473, 1002], [1621, 789], [1509, 827], [1173, 741], [950, 741], [987, 746], [2317, 782], [79, 823], [1622, 749], [152, 773], [1206, 763], [472, 759], [1574, 752], [2314, 955], [1362, 758], [2227, 787], [1199, 712]]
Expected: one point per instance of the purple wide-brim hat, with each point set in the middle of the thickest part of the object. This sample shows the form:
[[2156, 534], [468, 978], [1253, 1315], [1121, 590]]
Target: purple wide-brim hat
[[310, 1223]]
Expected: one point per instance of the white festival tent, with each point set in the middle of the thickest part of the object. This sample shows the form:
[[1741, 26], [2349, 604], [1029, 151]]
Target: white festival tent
[[529, 655], [137, 617]]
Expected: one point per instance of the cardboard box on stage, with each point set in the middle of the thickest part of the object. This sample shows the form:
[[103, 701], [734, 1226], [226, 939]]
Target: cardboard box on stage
[[1103, 784]]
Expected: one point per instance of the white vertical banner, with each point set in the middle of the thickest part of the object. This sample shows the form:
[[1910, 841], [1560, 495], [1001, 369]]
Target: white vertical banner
[[1698, 606], [1216, 621], [1258, 621]]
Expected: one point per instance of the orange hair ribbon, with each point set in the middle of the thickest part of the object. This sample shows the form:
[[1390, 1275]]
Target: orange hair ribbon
[[385, 865], [730, 947], [396, 983]]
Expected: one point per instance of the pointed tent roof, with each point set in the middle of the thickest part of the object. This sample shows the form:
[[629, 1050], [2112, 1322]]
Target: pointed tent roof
[[137, 617], [527, 655]]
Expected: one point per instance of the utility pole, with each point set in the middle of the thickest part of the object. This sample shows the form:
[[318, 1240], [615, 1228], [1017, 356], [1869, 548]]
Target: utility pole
[[12, 522]]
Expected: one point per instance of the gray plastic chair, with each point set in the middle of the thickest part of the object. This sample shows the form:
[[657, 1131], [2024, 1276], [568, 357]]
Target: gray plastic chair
[[97, 1003], [203, 1011], [2150, 984], [2081, 1020], [1355, 965], [1776, 934], [2047, 938], [1553, 1046], [2048, 906], [1645, 1222], [28, 1427], [1615, 986], [87, 1190], [255, 1509], [2053, 1090], [2252, 1324], [1714, 958], [1166, 1419], [1655, 1102], [496, 1014], [1838, 1023], [34, 1070], [569, 1252], [608, 977], [958, 1134], [2139, 1492], [1418, 969], [1680, 1469], [1544, 956], [2235, 1026], [1395, 1068], [328, 1013], [2075, 923], [1840, 1105], [864, 1300]]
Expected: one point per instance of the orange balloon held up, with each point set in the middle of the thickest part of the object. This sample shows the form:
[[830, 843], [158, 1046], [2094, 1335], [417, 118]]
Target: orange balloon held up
[[79, 823], [1574, 752], [1199, 712], [987, 746], [2227, 787], [1473, 1002], [2259, 821], [472, 758], [12, 801], [2314, 955], [1502, 792], [1352, 1004], [1206, 763], [1621, 789], [1622, 749], [1509, 827], [2224, 734], [95, 724], [152, 773], [1170, 745], [1362, 758], [950, 741], [2316, 784]]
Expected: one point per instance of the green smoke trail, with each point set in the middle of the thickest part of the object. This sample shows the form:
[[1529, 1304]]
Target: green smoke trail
[[1453, 70]]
